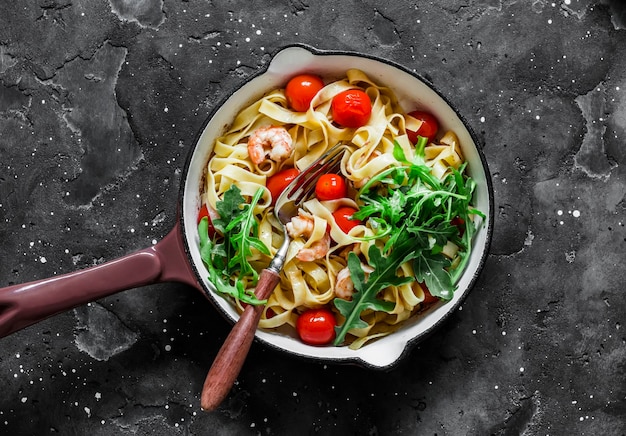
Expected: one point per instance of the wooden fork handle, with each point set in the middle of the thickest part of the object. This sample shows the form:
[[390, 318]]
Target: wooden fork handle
[[232, 355]]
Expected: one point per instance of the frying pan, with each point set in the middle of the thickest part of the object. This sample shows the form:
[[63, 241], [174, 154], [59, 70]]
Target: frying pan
[[176, 258]]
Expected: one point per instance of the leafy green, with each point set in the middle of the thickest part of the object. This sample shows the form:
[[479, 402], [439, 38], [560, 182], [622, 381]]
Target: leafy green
[[384, 275], [412, 212], [227, 258]]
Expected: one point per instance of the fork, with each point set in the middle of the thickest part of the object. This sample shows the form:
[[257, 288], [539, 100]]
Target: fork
[[232, 354]]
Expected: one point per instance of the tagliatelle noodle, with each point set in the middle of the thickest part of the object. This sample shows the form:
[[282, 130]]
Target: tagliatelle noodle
[[311, 284]]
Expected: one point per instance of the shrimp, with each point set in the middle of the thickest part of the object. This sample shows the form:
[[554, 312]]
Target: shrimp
[[271, 141], [344, 286], [303, 225], [316, 250]]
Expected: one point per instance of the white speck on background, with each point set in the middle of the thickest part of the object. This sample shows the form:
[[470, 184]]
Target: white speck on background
[[529, 238]]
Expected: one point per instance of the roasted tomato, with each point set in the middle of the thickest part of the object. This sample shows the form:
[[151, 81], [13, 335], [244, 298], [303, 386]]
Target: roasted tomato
[[204, 212], [428, 129], [279, 181], [428, 297], [459, 223], [330, 187], [301, 89], [343, 219], [351, 108], [316, 326]]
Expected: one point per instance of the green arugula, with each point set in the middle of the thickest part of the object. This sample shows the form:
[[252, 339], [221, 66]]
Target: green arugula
[[413, 212], [384, 275], [227, 258]]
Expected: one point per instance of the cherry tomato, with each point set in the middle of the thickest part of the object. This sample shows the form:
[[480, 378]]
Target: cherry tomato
[[330, 187], [279, 181], [428, 297], [316, 326], [342, 218], [204, 212], [459, 223], [428, 129], [351, 108], [301, 89]]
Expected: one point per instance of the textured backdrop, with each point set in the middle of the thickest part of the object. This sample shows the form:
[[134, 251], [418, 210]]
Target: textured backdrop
[[100, 102]]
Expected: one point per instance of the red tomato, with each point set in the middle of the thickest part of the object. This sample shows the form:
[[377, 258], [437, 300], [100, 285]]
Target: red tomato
[[342, 218], [351, 108], [316, 326], [459, 223], [279, 181], [204, 212], [428, 297], [330, 187], [428, 129], [301, 89]]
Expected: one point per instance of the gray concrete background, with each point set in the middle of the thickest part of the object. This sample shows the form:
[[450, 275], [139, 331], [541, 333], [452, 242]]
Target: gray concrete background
[[99, 104]]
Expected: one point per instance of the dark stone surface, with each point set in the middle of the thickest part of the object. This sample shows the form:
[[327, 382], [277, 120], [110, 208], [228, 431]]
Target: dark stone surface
[[99, 105]]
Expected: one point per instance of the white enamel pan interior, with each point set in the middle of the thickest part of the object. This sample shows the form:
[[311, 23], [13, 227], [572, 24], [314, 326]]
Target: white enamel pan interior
[[413, 93]]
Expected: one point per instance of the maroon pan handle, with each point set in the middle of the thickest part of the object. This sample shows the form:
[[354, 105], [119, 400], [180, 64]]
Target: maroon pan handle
[[26, 304]]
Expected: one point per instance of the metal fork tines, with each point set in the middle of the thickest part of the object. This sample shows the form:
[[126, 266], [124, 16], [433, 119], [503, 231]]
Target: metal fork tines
[[303, 186]]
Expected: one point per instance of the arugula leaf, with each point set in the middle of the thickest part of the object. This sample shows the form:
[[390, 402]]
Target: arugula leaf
[[431, 269], [412, 211], [385, 274], [227, 260]]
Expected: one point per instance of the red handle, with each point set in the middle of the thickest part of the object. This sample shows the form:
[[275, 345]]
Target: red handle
[[231, 356], [25, 304]]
